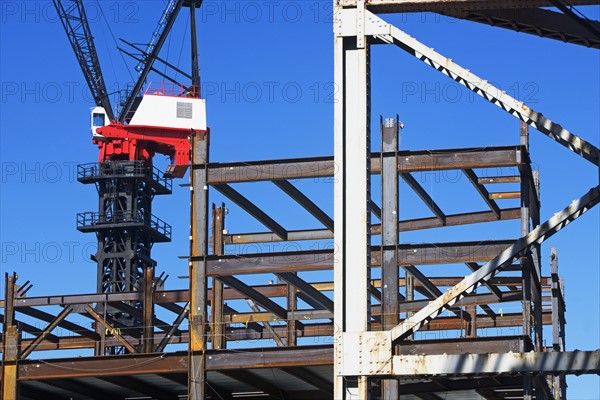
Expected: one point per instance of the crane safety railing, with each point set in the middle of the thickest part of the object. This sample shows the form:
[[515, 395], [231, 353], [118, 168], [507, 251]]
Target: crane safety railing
[[96, 219], [127, 169]]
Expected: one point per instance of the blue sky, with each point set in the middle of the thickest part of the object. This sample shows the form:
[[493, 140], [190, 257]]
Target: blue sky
[[267, 72]]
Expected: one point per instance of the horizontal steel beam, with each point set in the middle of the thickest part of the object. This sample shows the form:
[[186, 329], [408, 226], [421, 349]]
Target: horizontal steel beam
[[534, 21], [309, 330], [576, 362], [323, 167], [403, 226], [315, 260], [402, 6], [134, 364], [182, 296]]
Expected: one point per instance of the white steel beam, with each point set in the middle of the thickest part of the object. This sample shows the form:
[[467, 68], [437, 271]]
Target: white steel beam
[[554, 363], [352, 198], [389, 33], [489, 270]]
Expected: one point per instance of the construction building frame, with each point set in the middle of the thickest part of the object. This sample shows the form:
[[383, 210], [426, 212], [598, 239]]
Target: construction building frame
[[379, 327]]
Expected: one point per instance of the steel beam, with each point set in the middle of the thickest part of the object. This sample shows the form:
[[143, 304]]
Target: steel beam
[[324, 167], [423, 195], [403, 226], [252, 209], [305, 202], [219, 340], [147, 341], [576, 362], [197, 268], [183, 314], [319, 298], [534, 21], [60, 317], [485, 195], [401, 6], [70, 326], [252, 294], [489, 270], [390, 291], [315, 260], [11, 339], [487, 91], [352, 214], [115, 332]]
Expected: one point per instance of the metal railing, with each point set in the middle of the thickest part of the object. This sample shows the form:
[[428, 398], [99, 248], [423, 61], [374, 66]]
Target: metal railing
[[91, 219], [124, 169]]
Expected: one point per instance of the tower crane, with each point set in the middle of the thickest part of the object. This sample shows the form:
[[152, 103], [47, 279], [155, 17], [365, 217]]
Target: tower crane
[[160, 120]]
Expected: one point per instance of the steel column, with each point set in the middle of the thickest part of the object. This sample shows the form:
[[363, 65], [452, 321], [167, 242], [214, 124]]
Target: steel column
[[389, 238], [352, 194], [11, 338], [148, 329], [217, 327], [197, 266]]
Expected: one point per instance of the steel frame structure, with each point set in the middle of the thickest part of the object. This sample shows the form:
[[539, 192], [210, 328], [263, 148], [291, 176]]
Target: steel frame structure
[[354, 335]]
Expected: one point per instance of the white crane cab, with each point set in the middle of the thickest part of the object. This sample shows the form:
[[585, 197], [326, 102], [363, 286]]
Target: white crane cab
[[98, 120], [170, 106]]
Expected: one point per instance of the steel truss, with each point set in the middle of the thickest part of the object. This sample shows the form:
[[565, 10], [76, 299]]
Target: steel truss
[[361, 351], [301, 338]]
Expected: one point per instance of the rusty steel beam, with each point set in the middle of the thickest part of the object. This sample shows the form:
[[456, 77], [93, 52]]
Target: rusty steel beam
[[248, 291], [109, 328], [474, 179], [323, 167], [423, 195], [498, 179], [139, 364], [251, 209], [315, 260], [305, 202], [309, 330], [70, 326], [165, 298], [318, 298], [32, 346], [403, 226]]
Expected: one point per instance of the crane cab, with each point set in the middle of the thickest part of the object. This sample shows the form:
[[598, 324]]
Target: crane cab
[[98, 120]]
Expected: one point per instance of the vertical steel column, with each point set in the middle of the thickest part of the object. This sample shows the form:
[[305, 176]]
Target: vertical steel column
[[199, 250], [558, 323], [409, 283], [218, 248], [148, 329], [10, 352], [389, 237], [525, 260], [351, 192], [292, 305]]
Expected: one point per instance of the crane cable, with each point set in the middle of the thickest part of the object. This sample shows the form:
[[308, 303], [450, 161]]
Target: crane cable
[[114, 39]]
